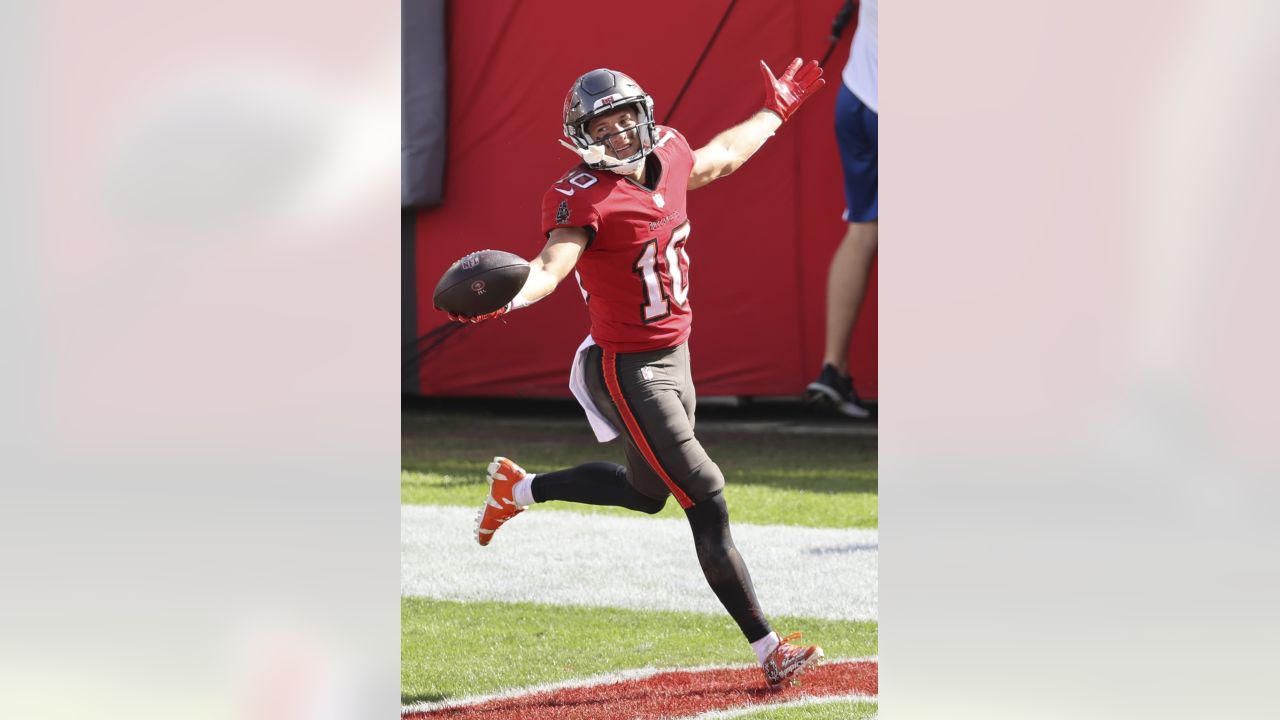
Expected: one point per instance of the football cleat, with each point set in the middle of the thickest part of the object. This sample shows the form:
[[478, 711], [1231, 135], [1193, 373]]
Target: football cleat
[[499, 507], [787, 662]]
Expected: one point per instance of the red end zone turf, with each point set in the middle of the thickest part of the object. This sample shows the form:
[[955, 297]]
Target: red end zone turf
[[667, 695]]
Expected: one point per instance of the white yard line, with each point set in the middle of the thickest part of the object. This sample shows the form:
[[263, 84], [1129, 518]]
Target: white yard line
[[753, 709], [642, 563]]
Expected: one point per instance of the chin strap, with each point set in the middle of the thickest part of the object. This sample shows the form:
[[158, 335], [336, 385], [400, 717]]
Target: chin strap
[[596, 155]]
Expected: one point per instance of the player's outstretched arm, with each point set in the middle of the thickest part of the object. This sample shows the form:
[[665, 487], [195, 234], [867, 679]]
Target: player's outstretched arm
[[555, 262], [783, 96]]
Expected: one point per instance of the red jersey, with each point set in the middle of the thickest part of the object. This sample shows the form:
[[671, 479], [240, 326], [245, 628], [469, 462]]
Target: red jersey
[[635, 271]]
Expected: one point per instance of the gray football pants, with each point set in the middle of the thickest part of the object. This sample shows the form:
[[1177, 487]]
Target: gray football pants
[[649, 398]]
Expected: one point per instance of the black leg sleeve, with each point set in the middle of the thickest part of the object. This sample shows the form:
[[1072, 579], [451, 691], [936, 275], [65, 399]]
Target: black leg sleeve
[[597, 483], [722, 565]]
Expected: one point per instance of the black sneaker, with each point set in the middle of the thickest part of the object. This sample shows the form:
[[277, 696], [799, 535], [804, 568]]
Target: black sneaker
[[836, 390]]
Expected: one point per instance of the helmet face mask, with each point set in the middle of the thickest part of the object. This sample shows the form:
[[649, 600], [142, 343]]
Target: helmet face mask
[[616, 130], [600, 92]]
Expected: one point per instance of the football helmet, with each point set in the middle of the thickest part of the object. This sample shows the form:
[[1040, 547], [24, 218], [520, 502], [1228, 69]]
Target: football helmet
[[596, 93]]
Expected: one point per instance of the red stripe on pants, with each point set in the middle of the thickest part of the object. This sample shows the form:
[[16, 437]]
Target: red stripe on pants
[[633, 428]]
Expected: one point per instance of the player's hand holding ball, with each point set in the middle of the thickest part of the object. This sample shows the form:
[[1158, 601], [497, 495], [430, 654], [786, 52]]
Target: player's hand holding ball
[[480, 318], [481, 286], [785, 94]]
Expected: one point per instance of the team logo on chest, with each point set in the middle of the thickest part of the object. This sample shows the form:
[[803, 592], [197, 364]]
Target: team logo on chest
[[658, 200]]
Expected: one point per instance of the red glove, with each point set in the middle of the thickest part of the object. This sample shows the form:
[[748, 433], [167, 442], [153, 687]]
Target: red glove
[[783, 95], [481, 318]]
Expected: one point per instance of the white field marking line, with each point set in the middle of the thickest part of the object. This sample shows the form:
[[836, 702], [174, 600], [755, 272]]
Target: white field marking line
[[765, 707], [585, 560], [602, 679]]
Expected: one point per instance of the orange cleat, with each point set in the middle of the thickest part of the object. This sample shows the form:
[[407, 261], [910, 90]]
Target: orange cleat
[[788, 662], [499, 507]]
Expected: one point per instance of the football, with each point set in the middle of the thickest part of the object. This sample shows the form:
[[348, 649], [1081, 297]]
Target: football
[[480, 283]]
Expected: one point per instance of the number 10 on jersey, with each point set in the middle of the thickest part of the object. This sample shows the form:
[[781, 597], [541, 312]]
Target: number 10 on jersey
[[667, 281]]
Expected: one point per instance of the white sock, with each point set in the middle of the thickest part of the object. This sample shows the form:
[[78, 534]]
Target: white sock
[[765, 645], [522, 491]]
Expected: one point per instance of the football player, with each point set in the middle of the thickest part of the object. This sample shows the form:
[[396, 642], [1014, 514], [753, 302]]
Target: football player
[[618, 219]]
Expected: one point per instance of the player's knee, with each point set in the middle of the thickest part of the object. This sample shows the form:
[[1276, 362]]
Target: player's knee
[[637, 500], [709, 516], [648, 505], [708, 481]]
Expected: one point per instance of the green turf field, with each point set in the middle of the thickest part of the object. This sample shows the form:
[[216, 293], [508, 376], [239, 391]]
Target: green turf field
[[777, 479], [451, 649], [826, 711], [557, 643]]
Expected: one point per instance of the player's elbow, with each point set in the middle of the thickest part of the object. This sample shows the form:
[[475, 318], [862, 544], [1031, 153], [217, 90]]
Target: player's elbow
[[728, 168]]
